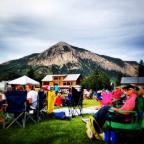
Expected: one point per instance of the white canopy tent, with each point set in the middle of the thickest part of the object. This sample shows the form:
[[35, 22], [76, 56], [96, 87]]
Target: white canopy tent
[[23, 81]]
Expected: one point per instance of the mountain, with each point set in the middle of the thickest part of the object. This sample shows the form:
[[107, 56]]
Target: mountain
[[65, 58]]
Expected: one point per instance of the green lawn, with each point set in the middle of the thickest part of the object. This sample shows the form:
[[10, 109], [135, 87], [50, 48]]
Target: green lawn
[[90, 102], [50, 131], [86, 103]]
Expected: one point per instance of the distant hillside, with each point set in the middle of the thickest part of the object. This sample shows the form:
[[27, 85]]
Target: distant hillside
[[65, 58]]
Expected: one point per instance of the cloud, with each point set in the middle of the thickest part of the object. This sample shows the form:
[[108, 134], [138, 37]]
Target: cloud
[[18, 47], [105, 27]]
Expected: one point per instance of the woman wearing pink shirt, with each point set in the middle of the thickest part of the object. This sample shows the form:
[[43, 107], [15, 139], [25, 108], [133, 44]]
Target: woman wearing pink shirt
[[107, 98], [102, 115]]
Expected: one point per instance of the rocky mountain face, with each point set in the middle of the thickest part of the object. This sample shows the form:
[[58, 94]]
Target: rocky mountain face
[[64, 58], [62, 54]]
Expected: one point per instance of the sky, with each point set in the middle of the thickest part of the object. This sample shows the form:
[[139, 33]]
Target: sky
[[109, 27]]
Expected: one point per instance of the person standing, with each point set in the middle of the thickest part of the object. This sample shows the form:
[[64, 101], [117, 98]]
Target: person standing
[[56, 88], [51, 97]]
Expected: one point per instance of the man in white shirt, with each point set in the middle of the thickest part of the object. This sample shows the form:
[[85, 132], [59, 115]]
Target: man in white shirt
[[31, 97]]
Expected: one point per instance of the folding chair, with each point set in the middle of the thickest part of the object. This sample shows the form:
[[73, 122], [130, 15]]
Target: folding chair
[[133, 122], [41, 106], [35, 115], [31, 114], [16, 108], [75, 104]]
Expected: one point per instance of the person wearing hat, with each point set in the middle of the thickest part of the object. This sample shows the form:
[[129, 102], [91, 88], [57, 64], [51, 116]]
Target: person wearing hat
[[131, 97], [103, 114]]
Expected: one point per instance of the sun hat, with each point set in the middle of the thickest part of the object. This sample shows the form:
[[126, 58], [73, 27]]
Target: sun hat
[[127, 87]]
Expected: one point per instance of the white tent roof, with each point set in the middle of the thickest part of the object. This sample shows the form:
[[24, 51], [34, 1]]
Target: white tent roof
[[23, 81]]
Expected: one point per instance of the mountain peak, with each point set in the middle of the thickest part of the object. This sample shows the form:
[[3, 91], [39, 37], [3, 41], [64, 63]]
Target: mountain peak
[[60, 48], [57, 49], [59, 54], [62, 43]]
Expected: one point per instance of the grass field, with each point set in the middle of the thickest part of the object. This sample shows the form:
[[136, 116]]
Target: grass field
[[50, 131], [90, 102], [86, 103]]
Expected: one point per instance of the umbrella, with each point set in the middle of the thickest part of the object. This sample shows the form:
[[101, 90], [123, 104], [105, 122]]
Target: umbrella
[[23, 81]]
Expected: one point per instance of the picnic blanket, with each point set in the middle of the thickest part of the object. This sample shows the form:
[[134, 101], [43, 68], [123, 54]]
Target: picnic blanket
[[84, 111]]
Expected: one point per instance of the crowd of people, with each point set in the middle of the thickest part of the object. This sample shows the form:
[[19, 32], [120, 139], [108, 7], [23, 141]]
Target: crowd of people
[[53, 96], [122, 98]]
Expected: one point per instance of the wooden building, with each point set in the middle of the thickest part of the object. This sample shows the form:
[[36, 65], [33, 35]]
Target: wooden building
[[63, 80]]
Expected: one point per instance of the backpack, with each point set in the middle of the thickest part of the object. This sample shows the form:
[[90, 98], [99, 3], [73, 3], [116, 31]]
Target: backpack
[[91, 131]]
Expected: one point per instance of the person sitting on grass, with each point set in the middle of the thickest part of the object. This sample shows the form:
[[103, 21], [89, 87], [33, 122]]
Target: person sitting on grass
[[58, 100]]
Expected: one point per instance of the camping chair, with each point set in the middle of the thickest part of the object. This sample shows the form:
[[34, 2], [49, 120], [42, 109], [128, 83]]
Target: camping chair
[[16, 108], [132, 122], [75, 103], [35, 115], [31, 114], [119, 102], [41, 106]]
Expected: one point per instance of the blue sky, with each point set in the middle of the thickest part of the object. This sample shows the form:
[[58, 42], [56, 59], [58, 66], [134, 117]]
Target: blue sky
[[108, 27]]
